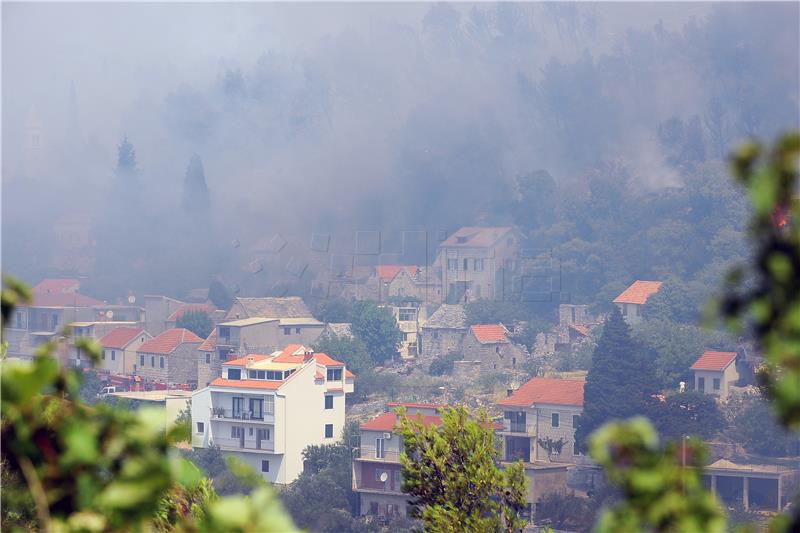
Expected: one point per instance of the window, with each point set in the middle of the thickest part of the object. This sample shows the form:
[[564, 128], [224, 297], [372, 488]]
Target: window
[[104, 355], [334, 374], [264, 465], [575, 419], [496, 349], [380, 448], [701, 384], [234, 373], [407, 314], [465, 264], [287, 331], [269, 405], [297, 330], [478, 265], [201, 427], [328, 431], [238, 407], [153, 361], [452, 264], [398, 477], [256, 408], [114, 355], [237, 432], [328, 401], [161, 362], [141, 360], [624, 310], [554, 420], [513, 362], [208, 358], [252, 374], [716, 383], [405, 336], [575, 450], [373, 508]]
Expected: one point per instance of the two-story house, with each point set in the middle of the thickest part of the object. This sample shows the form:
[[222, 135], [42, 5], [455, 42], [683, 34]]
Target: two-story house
[[119, 349], [410, 319], [444, 331], [474, 261], [170, 357], [632, 300], [266, 409], [539, 421], [377, 473], [715, 373], [489, 344], [92, 330]]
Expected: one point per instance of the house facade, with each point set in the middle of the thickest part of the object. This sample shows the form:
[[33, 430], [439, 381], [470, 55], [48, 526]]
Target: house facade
[[632, 300], [489, 344], [443, 333], [377, 472], [266, 409], [410, 319], [473, 262], [170, 357], [119, 349], [715, 373]]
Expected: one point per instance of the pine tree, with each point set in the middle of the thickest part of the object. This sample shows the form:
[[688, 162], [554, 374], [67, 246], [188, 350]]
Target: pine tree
[[195, 190], [621, 382], [126, 159]]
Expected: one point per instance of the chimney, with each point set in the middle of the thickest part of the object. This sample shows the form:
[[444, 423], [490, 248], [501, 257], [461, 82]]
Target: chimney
[[250, 360]]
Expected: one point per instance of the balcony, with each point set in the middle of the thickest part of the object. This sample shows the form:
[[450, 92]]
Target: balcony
[[218, 413], [367, 481], [519, 428], [369, 453], [243, 445]]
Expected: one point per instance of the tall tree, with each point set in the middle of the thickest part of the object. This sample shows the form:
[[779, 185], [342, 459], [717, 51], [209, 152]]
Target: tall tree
[[349, 350], [621, 382], [198, 322], [220, 295], [377, 329], [126, 159], [195, 189], [451, 473]]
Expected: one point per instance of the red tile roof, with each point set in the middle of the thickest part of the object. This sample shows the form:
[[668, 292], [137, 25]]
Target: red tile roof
[[348, 374], [63, 299], [325, 360], [247, 383], [293, 353], [388, 272], [490, 333], [638, 292], [416, 405], [168, 341], [210, 344], [580, 328], [711, 360], [121, 337], [242, 361], [551, 391], [476, 236], [188, 308], [57, 285], [319, 375], [387, 422]]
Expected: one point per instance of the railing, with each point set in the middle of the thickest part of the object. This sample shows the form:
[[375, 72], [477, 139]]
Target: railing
[[226, 443], [369, 453], [517, 427], [230, 414]]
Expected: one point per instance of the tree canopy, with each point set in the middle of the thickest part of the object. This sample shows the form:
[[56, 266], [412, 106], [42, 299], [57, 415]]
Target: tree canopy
[[198, 322], [377, 329]]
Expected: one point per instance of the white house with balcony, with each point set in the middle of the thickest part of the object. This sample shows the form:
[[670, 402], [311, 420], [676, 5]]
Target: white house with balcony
[[266, 409]]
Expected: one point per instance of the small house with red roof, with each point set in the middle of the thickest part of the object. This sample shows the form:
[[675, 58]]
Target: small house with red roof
[[396, 282], [170, 357], [632, 300], [472, 261], [490, 344], [265, 409], [119, 349], [377, 473], [715, 372]]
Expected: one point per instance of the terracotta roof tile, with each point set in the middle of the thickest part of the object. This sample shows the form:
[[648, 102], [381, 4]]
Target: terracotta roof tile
[[415, 405], [388, 421], [388, 272], [168, 341], [348, 374], [551, 391], [121, 337], [325, 360], [210, 344], [57, 285], [711, 360], [247, 383], [490, 333], [63, 299], [188, 308], [638, 292], [242, 361]]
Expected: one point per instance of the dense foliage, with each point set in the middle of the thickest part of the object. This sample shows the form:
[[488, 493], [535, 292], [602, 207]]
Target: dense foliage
[[377, 329], [349, 350], [198, 322]]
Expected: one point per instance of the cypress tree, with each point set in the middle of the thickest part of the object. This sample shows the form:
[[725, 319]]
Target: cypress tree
[[195, 189], [621, 382]]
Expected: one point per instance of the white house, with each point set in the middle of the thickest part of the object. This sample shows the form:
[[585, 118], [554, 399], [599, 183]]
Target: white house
[[119, 349], [266, 409], [715, 372], [631, 301]]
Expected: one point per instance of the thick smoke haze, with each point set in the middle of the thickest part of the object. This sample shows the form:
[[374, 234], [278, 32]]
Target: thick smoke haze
[[331, 118]]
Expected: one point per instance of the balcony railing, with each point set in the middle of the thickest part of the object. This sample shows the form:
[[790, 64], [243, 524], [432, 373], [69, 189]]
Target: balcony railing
[[230, 414], [517, 427], [369, 453], [234, 444]]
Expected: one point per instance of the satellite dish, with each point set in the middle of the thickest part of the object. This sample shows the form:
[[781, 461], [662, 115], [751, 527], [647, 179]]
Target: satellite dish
[[131, 299], [384, 477], [109, 314]]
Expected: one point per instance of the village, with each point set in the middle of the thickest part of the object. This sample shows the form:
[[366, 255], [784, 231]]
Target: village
[[264, 378]]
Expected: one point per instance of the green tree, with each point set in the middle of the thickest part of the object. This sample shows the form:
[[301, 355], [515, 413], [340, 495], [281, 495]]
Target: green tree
[[494, 312], [753, 424], [220, 295], [126, 159], [450, 471], [621, 382], [198, 322], [688, 414], [195, 189], [564, 512], [675, 301], [349, 350], [377, 329]]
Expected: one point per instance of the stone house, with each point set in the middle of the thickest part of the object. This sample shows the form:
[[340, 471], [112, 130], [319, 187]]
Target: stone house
[[407, 281], [489, 343], [715, 373], [209, 363], [474, 262], [170, 357], [632, 300], [444, 331], [157, 310]]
